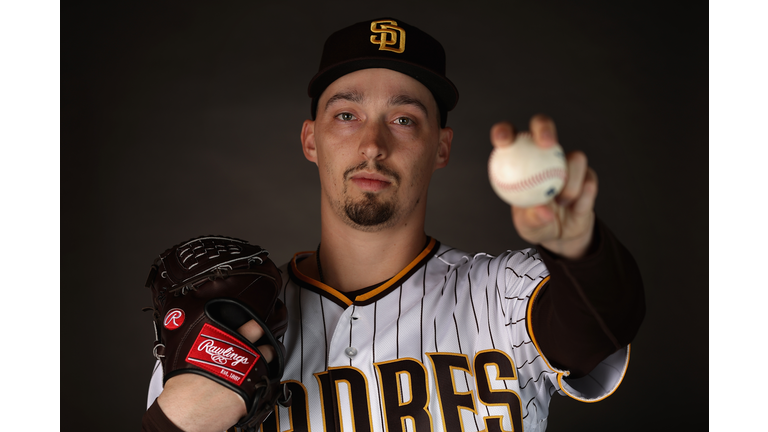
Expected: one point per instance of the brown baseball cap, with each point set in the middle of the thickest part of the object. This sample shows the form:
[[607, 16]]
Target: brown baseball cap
[[391, 44]]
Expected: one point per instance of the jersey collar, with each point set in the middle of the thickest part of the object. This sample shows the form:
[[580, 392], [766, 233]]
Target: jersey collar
[[369, 297]]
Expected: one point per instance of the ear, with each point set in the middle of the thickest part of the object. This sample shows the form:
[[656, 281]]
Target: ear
[[308, 140], [444, 147]]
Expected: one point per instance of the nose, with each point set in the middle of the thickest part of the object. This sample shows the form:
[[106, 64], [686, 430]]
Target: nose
[[373, 145]]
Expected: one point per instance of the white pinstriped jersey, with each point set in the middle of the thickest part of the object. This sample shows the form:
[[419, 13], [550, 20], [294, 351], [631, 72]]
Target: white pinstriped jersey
[[444, 345]]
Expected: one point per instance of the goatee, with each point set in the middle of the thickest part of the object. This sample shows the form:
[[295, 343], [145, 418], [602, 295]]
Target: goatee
[[370, 211]]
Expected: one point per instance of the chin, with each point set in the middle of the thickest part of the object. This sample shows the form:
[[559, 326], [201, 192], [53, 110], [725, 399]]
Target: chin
[[370, 213]]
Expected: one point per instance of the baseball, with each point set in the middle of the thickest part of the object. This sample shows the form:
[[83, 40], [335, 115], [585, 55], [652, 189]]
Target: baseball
[[526, 175]]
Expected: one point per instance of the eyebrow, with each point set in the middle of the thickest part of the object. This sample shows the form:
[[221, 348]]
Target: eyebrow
[[407, 100], [352, 96]]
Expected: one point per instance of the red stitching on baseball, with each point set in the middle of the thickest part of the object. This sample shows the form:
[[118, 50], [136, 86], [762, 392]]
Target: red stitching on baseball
[[532, 181]]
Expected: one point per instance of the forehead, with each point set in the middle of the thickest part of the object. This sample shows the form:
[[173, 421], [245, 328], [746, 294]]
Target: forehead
[[379, 83]]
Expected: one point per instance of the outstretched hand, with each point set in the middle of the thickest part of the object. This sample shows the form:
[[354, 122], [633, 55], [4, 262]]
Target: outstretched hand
[[565, 224]]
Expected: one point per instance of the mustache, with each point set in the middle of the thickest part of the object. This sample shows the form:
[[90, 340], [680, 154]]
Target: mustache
[[372, 166]]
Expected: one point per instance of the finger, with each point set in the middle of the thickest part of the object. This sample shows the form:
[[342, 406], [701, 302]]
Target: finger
[[536, 224], [268, 351], [543, 131], [502, 134], [251, 330], [532, 218], [586, 202], [574, 182]]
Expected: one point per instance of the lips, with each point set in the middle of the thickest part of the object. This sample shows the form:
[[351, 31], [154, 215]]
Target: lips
[[370, 182]]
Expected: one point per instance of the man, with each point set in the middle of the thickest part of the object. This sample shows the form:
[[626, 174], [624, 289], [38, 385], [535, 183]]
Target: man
[[389, 329]]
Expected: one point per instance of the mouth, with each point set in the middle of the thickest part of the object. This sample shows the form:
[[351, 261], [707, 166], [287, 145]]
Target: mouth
[[370, 182]]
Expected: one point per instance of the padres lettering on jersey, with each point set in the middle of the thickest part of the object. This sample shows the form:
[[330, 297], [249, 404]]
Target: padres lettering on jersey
[[443, 346]]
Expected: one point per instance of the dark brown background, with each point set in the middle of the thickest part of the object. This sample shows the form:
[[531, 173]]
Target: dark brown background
[[180, 121]]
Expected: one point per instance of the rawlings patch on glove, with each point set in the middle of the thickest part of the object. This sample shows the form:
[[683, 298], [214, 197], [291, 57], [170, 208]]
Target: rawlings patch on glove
[[203, 290]]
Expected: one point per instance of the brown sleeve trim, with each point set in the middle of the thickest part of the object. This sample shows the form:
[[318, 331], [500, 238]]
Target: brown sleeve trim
[[154, 420], [591, 307]]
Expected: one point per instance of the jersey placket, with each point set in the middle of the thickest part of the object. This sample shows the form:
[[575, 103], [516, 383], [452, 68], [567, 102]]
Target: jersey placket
[[349, 366]]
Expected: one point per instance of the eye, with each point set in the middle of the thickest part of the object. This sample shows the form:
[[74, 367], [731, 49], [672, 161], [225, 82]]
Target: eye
[[345, 116], [403, 121]]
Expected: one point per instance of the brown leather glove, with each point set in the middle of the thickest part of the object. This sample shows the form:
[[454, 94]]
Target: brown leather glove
[[203, 290]]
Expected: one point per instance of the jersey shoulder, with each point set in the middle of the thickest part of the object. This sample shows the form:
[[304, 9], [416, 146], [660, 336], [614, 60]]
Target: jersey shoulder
[[514, 269]]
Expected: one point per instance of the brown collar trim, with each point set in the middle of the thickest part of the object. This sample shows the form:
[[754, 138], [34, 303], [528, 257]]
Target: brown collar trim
[[369, 297], [314, 285]]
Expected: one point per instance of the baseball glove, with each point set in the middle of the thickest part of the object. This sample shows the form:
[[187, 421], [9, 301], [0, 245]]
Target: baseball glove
[[203, 290]]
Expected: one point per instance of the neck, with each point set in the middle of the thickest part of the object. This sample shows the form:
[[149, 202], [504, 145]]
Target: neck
[[352, 259]]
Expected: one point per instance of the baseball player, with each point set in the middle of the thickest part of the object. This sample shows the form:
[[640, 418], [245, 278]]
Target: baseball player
[[389, 329]]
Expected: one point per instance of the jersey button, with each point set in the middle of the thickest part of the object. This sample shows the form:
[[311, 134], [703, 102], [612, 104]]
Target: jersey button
[[350, 352]]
